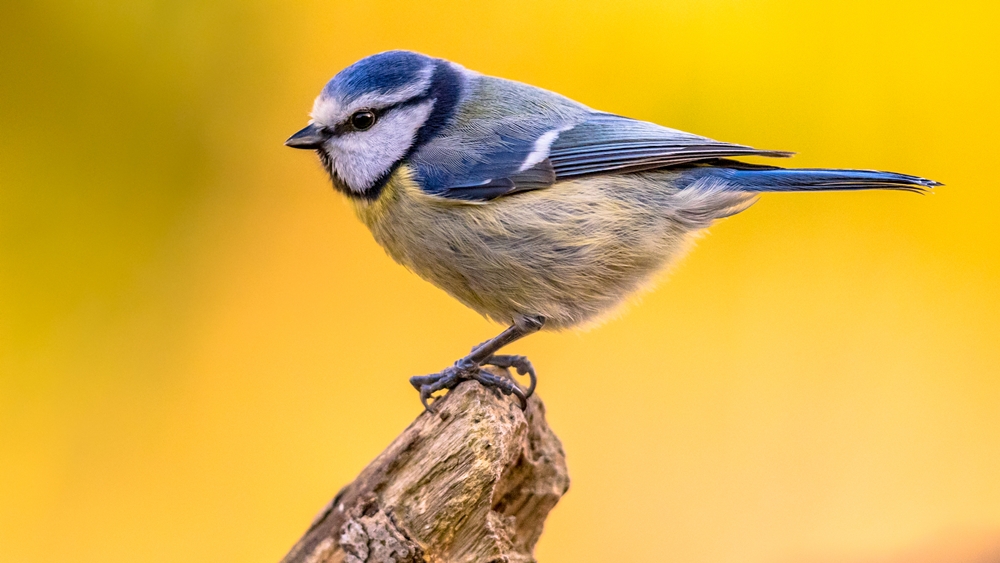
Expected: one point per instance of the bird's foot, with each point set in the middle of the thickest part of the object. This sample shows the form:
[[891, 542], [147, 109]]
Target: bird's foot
[[521, 365], [466, 369]]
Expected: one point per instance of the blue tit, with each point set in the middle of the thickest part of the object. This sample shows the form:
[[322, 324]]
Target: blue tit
[[528, 207]]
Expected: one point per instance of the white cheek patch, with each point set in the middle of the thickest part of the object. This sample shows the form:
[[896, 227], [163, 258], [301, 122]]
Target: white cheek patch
[[361, 158]]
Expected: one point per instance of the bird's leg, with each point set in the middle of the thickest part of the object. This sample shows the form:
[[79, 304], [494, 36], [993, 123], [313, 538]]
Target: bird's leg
[[485, 354]]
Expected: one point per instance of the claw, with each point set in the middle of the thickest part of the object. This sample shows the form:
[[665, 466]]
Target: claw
[[430, 384], [424, 395], [521, 364], [470, 366], [485, 354], [521, 397], [502, 384], [466, 369]]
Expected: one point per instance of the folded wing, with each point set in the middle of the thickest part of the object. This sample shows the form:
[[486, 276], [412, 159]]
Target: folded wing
[[607, 143], [526, 155]]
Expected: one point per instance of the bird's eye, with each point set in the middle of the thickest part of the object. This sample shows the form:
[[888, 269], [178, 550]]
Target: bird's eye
[[363, 119]]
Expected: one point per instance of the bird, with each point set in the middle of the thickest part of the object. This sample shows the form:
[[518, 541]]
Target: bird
[[530, 208]]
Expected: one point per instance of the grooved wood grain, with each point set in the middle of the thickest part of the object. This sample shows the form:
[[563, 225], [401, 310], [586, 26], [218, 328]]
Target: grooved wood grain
[[471, 482]]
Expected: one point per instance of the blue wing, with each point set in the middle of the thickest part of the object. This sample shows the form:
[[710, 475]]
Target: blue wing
[[505, 137], [606, 143], [528, 152], [497, 142], [480, 171]]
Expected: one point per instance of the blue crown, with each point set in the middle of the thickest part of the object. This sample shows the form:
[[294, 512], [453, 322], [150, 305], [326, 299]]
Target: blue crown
[[380, 74]]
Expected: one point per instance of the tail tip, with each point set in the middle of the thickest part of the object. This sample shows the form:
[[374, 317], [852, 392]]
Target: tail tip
[[923, 186]]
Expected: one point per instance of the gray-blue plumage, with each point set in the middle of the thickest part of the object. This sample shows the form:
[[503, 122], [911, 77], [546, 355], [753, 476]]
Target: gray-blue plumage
[[486, 137], [607, 143], [773, 179], [527, 206]]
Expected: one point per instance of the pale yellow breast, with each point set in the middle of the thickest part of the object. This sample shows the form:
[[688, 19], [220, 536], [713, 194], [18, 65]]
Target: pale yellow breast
[[570, 253]]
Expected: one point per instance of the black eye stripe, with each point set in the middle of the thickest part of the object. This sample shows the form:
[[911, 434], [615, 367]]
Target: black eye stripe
[[444, 93], [346, 126]]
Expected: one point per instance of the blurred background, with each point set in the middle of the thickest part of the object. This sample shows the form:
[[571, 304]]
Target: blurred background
[[199, 344]]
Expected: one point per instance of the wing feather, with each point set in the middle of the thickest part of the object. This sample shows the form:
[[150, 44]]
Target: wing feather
[[607, 143], [517, 138]]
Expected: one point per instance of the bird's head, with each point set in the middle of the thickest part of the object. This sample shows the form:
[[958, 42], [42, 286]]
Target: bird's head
[[374, 113]]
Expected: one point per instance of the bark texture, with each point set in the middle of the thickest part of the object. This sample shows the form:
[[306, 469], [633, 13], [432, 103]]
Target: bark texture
[[471, 482]]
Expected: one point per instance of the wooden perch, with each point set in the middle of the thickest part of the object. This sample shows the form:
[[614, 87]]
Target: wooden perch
[[472, 482]]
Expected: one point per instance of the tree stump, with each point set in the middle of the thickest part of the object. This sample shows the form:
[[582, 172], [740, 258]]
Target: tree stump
[[471, 482]]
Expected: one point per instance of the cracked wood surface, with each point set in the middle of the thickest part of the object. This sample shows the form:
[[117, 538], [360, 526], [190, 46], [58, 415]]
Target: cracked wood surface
[[472, 482]]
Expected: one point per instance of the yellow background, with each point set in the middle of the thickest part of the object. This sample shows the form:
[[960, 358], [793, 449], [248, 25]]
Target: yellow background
[[199, 344]]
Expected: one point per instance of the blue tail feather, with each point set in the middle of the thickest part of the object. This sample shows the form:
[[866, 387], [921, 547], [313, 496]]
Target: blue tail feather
[[813, 179]]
